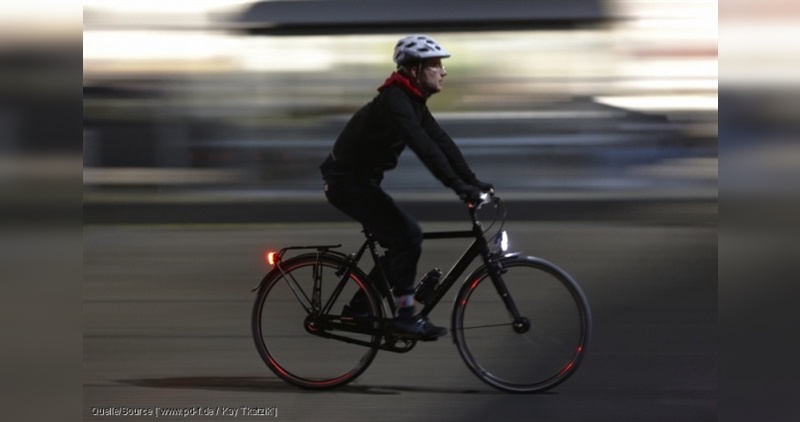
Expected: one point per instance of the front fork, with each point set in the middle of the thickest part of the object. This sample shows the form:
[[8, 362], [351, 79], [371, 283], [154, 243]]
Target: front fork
[[494, 267]]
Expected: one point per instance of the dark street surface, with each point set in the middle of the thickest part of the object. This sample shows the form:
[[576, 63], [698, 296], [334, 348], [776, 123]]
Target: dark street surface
[[167, 325]]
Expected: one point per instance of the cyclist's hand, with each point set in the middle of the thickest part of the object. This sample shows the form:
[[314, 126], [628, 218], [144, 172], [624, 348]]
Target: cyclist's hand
[[470, 194], [483, 186]]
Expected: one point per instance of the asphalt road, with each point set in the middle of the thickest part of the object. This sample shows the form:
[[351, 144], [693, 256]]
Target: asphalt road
[[167, 326]]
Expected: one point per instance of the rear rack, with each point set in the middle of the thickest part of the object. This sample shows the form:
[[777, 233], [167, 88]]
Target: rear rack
[[319, 248]]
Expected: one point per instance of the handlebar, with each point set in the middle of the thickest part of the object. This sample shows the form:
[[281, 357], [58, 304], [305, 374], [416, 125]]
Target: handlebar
[[499, 215], [485, 198]]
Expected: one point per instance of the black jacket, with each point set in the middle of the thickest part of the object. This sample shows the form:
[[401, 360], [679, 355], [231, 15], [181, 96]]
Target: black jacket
[[377, 134]]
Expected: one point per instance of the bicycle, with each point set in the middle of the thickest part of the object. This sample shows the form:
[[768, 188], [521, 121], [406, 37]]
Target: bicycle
[[520, 323]]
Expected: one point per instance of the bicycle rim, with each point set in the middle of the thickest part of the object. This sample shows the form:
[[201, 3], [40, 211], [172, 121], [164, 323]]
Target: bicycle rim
[[530, 359], [280, 330]]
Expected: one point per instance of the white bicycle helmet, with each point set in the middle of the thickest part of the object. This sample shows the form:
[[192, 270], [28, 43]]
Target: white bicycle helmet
[[418, 47]]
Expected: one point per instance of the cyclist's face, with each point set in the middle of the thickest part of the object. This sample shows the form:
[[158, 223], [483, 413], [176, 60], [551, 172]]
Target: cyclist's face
[[432, 75]]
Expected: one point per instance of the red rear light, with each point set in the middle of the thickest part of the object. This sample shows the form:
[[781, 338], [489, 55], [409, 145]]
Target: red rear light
[[271, 258]]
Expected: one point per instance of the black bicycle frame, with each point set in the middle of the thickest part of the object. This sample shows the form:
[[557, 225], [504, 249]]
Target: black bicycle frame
[[479, 247]]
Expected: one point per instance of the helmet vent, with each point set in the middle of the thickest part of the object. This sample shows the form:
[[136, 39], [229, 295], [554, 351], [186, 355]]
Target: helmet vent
[[418, 47]]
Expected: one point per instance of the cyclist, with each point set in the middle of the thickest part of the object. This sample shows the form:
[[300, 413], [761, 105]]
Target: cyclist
[[370, 144]]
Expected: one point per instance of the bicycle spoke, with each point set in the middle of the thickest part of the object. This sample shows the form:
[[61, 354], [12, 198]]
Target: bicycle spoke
[[503, 324], [294, 286]]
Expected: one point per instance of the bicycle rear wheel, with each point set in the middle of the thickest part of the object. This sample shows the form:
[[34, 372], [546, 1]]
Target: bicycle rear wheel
[[290, 334], [538, 351]]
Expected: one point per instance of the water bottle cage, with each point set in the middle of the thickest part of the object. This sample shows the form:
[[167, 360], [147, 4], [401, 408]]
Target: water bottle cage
[[427, 285]]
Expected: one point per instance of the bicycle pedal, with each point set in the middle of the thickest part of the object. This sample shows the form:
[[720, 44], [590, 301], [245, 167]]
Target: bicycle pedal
[[398, 345]]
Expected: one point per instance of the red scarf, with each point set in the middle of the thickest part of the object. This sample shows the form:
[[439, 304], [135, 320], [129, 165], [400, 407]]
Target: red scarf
[[403, 82]]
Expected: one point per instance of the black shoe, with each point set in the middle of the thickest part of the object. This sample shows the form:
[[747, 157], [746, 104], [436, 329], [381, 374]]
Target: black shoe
[[417, 328]]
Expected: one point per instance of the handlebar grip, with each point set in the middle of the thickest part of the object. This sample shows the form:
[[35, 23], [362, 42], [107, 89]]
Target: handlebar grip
[[485, 198]]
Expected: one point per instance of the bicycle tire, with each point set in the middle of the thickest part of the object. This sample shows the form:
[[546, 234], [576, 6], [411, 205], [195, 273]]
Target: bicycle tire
[[281, 334], [541, 357]]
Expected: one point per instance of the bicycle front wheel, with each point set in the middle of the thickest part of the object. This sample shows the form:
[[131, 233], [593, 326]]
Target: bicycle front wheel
[[534, 352], [294, 338]]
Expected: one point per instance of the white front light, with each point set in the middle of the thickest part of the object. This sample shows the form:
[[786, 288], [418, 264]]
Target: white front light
[[503, 241]]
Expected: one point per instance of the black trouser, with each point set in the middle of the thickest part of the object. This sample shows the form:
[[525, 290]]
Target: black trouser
[[392, 227]]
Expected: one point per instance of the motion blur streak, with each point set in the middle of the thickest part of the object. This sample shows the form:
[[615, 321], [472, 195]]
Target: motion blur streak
[[40, 239], [759, 131], [625, 107]]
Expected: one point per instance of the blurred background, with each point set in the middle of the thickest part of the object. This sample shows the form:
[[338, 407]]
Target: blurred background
[[218, 101], [40, 211]]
